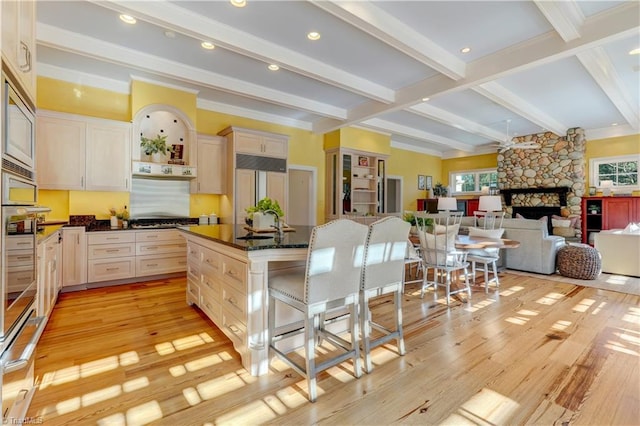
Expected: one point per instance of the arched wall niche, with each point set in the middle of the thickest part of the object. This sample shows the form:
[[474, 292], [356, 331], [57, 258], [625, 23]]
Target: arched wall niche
[[159, 119]]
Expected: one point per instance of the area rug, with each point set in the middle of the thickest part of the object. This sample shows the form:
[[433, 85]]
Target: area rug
[[619, 283]]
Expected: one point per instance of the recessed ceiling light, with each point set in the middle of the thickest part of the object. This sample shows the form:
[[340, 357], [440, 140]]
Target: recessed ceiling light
[[170, 34], [614, 124], [128, 19], [207, 45], [239, 3], [313, 35], [425, 99], [635, 51], [465, 50], [273, 67]]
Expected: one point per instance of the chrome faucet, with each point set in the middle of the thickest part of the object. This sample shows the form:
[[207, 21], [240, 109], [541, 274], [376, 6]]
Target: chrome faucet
[[278, 225]]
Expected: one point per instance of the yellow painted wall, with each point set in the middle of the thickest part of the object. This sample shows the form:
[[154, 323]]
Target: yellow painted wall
[[358, 139], [409, 165], [56, 95], [143, 94]]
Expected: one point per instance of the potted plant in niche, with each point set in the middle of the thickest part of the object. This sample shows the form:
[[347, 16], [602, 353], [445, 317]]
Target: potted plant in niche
[[157, 147], [256, 217], [439, 190]]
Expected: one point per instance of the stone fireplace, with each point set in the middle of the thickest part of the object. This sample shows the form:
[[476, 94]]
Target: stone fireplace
[[552, 176]]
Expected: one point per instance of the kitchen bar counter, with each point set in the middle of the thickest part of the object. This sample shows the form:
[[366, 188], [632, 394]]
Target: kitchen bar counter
[[228, 235], [227, 278]]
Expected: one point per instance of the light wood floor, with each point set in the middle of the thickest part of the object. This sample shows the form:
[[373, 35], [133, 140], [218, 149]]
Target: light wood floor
[[539, 352]]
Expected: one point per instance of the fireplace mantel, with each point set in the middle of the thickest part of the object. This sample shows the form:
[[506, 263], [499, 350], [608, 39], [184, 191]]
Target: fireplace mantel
[[561, 191]]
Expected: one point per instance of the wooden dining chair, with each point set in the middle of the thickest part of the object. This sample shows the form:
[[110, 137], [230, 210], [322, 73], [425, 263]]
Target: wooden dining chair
[[331, 280], [439, 254]]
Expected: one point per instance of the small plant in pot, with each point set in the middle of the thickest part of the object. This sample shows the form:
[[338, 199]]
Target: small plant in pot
[[439, 190], [157, 145], [263, 205]]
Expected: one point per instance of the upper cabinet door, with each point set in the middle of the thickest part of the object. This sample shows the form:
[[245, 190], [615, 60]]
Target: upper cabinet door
[[18, 42], [60, 153], [108, 166], [211, 155]]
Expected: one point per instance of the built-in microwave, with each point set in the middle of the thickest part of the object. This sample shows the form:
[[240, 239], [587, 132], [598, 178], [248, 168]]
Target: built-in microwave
[[18, 128]]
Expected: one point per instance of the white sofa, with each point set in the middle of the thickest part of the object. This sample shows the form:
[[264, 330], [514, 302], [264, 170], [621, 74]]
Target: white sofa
[[620, 252], [537, 251]]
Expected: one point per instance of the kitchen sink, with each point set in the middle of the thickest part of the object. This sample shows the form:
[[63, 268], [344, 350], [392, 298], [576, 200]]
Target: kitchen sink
[[254, 237]]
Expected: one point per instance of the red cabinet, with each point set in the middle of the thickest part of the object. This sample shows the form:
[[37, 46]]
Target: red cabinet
[[600, 213]]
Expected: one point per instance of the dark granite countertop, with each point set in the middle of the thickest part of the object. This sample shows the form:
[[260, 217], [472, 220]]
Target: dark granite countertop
[[228, 234]]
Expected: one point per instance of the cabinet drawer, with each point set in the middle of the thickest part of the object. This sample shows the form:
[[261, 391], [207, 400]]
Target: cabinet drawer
[[234, 273], [16, 258], [193, 290], [161, 247], [210, 305], [236, 302], [19, 242], [111, 237], [211, 281], [19, 280], [193, 271], [160, 264], [211, 259], [105, 251], [235, 330], [111, 269], [159, 235], [193, 253]]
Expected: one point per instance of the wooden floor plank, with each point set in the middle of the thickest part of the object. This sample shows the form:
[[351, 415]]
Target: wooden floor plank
[[534, 352]]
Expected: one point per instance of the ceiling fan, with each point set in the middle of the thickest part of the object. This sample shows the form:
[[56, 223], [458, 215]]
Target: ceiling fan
[[508, 143]]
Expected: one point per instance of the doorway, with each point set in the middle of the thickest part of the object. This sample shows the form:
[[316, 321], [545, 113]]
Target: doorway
[[302, 200], [394, 194]]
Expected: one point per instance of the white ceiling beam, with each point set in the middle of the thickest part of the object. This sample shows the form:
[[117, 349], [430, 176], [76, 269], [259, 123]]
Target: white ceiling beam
[[565, 16], [598, 64], [253, 114], [412, 132], [172, 16], [603, 28], [453, 120], [512, 102], [93, 48], [371, 19]]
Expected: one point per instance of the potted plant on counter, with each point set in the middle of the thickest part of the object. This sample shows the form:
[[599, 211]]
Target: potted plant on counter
[[157, 147], [264, 205]]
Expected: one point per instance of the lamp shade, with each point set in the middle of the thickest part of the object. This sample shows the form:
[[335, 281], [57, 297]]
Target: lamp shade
[[490, 203], [447, 203]]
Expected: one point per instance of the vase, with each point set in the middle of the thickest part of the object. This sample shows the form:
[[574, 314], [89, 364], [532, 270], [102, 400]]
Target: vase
[[158, 157]]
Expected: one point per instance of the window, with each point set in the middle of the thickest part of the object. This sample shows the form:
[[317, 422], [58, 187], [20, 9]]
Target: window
[[622, 171], [472, 181]]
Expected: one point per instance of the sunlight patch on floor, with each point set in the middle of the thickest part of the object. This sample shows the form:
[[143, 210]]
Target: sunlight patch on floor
[[104, 394], [479, 305], [560, 325], [517, 320], [225, 384], [619, 347], [183, 343], [583, 305], [88, 369], [255, 412], [511, 290], [633, 316], [383, 354], [486, 407], [618, 280], [597, 310], [144, 414], [199, 364], [550, 298]]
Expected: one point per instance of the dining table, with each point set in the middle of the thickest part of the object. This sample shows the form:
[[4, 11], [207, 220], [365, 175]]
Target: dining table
[[466, 242]]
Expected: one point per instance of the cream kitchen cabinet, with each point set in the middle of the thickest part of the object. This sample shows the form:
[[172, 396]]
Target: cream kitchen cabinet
[[246, 187], [49, 273], [160, 252], [100, 149], [255, 142], [211, 164], [74, 256], [111, 256], [19, 42]]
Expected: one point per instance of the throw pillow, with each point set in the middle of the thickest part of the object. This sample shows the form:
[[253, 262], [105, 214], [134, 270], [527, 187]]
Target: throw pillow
[[573, 220], [544, 219], [490, 233], [560, 223], [632, 228]]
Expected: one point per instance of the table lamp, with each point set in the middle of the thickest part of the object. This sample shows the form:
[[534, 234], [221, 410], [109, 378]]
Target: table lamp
[[606, 186], [447, 204], [490, 203]]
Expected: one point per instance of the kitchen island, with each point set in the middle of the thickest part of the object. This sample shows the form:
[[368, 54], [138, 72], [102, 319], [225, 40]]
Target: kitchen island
[[227, 278]]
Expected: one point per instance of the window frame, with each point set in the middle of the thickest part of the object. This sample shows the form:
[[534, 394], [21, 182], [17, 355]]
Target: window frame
[[594, 177], [477, 173]]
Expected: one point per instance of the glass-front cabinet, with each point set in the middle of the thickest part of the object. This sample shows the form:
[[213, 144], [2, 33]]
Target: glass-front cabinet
[[356, 183]]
